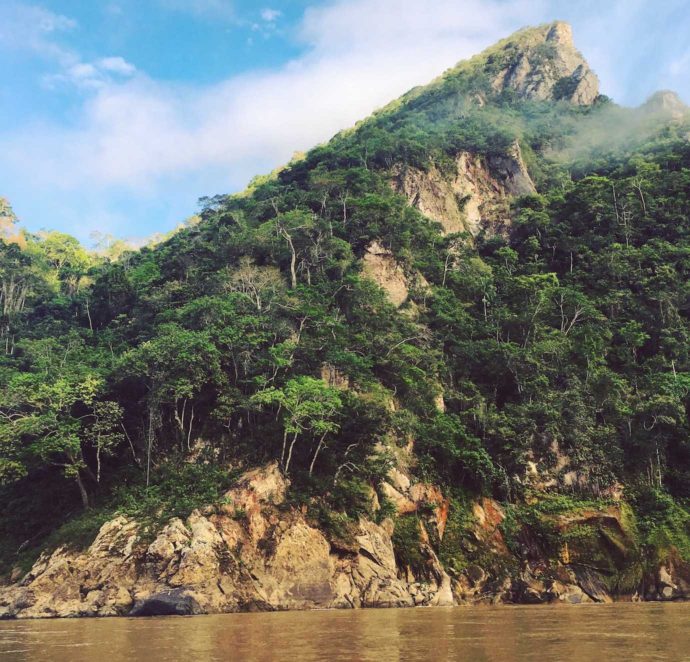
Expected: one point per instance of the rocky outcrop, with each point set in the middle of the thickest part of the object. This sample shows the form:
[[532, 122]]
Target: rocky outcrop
[[380, 265], [596, 552], [252, 553], [256, 553], [671, 581], [475, 196], [167, 603], [543, 64], [334, 377]]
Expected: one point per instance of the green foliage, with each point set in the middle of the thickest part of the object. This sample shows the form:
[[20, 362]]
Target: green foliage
[[175, 490], [453, 454], [310, 408], [532, 528], [454, 551], [664, 524], [253, 335], [407, 541], [77, 533]]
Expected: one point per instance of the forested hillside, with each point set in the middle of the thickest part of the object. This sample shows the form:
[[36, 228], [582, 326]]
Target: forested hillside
[[484, 285]]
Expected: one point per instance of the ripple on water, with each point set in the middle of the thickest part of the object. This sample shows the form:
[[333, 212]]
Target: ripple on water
[[619, 631]]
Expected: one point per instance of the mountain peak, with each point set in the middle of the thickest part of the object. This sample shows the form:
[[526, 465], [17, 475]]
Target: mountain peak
[[666, 103], [536, 63], [542, 63], [561, 33]]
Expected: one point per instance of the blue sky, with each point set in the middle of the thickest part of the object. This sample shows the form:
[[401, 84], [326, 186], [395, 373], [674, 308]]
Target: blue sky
[[116, 115]]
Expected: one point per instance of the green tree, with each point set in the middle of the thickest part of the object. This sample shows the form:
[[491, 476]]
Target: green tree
[[309, 408]]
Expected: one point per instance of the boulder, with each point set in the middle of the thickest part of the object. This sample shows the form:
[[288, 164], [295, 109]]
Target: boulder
[[167, 603], [592, 583]]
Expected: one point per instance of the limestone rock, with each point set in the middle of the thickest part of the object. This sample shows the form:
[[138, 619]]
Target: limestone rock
[[334, 377], [477, 196], [543, 63], [298, 573], [403, 504], [257, 554], [380, 265], [248, 555], [489, 516], [592, 583], [671, 581]]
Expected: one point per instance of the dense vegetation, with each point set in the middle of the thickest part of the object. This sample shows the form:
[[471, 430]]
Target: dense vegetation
[[140, 383]]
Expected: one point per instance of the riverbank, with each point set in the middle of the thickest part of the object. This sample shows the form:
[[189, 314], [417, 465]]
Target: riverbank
[[256, 552]]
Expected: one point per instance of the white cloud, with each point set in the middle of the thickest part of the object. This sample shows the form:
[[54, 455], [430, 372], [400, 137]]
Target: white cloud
[[117, 65], [137, 138], [38, 31], [359, 55], [34, 29], [92, 75], [270, 15]]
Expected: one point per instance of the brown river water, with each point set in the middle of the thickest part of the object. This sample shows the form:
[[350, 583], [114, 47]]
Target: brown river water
[[622, 631]]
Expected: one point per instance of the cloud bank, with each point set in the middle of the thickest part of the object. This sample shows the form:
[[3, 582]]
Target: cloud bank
[[134, 139], [357, 56]]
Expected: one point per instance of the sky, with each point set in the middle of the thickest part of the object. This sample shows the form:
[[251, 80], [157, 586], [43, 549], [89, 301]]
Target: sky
[[117, 115]]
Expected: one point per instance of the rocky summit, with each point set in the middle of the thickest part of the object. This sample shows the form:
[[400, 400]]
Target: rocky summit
[[441, 359], [543, 64]]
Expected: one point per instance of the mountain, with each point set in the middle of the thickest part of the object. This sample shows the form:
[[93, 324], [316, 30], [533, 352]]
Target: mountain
[[441, 358], [665, 103], [541, 64]]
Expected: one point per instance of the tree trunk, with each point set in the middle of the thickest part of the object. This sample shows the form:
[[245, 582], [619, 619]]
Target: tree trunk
[[293, 262], [149, 446], [282, 455], [85, 499], [289, 457], [316, 453]]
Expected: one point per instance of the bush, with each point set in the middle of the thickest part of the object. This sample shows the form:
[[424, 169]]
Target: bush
[[407, 541], [663, 523], [175, 490], [453, 550]]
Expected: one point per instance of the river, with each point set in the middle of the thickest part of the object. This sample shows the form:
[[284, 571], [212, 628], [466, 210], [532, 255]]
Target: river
[[623, 631]]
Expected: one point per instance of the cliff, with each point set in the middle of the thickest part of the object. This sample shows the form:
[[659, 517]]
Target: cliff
[[665, 104], [543, 64], [475, 197], [254, 552]]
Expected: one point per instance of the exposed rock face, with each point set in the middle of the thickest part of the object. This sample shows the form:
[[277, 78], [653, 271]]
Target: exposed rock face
[[379, 264], [254, 554], [597, 550], [247, 555], [546, 65], [477, 196], [411, 499], [334, 377], [670, 582]]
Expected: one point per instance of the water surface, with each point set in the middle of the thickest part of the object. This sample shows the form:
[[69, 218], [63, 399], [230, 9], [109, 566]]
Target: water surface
[[650, 631]]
